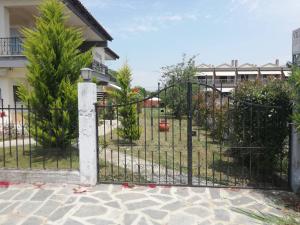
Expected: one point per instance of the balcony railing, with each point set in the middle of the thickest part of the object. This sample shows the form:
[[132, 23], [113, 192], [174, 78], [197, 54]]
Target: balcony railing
[[218, 82], [11, 46], [103, 70]]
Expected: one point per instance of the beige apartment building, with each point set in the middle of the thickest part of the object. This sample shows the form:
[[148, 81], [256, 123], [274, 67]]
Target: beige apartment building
[[228, 76], [15, 14]]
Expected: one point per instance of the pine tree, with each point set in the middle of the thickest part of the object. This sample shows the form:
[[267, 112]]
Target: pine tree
[[55, 61], [126, 97]]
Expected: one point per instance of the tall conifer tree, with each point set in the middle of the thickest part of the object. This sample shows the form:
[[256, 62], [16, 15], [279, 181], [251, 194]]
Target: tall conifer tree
[[55, 61]]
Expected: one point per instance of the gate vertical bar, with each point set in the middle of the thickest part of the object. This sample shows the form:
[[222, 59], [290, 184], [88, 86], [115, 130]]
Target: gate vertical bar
[[189, 134]]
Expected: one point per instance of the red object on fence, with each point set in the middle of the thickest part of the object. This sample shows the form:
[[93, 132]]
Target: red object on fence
[[164, 126]]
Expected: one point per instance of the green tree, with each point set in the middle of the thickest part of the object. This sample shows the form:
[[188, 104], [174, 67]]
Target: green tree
[[260, 117], [126, 97], [178, 75], [295, 83], [55, 60]]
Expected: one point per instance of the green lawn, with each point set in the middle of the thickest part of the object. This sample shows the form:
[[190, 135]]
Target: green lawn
[[169, 149], [41, 158]]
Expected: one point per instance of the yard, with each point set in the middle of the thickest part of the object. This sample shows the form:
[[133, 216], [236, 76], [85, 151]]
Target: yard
[[161, 157]]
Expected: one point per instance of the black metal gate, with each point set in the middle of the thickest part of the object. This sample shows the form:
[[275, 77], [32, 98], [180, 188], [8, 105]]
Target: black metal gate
[[194, 134]]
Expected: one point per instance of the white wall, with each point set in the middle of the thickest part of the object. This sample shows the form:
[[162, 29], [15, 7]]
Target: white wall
[[13, 77], [4, 22]]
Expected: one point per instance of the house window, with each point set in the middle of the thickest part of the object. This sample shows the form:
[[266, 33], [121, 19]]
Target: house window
[[16, 96], [244, 77]]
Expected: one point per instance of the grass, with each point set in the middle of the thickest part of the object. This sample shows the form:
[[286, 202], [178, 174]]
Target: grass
[[41, 158], [270, 219], [169, 149]]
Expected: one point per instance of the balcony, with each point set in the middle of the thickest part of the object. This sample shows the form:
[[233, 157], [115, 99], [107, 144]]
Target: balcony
[[229, 83], [12, 46], [103, 71]]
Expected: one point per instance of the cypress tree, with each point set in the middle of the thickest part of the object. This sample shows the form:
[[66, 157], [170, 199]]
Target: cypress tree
[[126, 97], [55, 61]]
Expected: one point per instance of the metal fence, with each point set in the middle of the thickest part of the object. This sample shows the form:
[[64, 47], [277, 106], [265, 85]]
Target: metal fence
[[30, 140], [11, 46], [191, 135]]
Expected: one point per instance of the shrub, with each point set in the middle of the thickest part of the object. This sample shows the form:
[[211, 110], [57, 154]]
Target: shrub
[[295, 83], [260, 117]]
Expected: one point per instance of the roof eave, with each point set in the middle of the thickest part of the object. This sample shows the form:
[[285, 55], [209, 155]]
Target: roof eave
[[78, 8], [111, 53]]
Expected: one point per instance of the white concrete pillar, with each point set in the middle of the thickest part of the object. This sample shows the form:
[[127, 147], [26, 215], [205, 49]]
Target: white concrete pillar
[[295, 161], [87, 97], [4, 22]]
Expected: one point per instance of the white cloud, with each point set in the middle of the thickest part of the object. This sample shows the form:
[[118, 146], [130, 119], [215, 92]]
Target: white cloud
[[126, 4], [155, 23]]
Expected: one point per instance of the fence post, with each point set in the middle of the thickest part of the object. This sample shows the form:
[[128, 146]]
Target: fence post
[[295, 160], [189, 134], [87, 97]]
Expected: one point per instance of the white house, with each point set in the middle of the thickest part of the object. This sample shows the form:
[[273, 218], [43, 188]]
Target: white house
[[228, 76], [15, 14]]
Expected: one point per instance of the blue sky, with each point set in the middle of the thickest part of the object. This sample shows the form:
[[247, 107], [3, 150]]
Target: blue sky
[[150, 34]]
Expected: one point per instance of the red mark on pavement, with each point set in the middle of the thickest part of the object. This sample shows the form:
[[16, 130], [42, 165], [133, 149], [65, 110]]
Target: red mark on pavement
[[152, 185], [4, 184]]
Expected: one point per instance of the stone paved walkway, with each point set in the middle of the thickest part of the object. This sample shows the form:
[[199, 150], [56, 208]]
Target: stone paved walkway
[[111, 205]]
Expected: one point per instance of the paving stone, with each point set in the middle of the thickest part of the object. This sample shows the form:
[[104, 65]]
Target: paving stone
[[197, 211], [60, 198], [103, 196], [180, 219], [60, 213], [3, 205], [162, 198], [222, 215], [100, 222], [101, 187], [113, 204], [143, 221], [141, 204], [155, 214], [242, 201], [88, 200], [173, 206], [33, 221], [11, 220], [48, 208], [42, 195], [242, 219], [199, 190], [24, 195], [90, 210], [206, 222], [71, 200], [9, 209], [72, 222], [256, 206], [194, 199], [166, 191], [28, 207], [214, 193], [129, 218], [130, 196], [8, 194], [182, 192]]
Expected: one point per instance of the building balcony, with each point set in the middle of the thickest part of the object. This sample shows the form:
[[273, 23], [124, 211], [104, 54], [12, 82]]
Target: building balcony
[[103, 72], [12, 46]]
